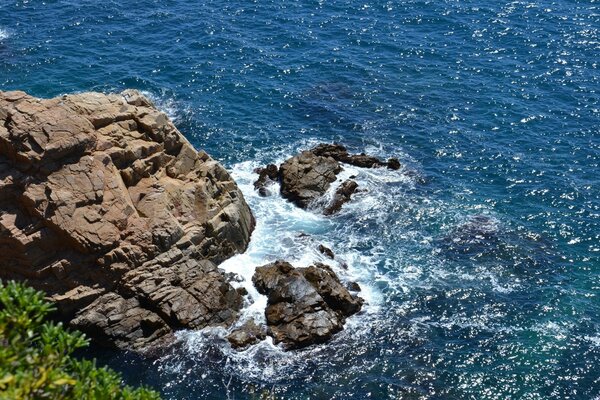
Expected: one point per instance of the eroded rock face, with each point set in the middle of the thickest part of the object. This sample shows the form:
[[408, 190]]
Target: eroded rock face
[[109, 209], [305, 305], [247, 334], [306, 177], [342, 195], [266, 176]]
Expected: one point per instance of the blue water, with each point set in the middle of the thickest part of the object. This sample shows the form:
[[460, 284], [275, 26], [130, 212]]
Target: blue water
[[480, 259]]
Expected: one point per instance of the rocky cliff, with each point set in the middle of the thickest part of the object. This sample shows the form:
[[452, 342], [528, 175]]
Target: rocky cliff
[[106, 207]]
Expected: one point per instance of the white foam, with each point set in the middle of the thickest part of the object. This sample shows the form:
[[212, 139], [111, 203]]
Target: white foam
[[4, 34], [284, 231], [166, 104]]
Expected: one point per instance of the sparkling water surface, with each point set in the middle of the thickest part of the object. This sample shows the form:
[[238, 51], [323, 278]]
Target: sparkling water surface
[[479, 259]]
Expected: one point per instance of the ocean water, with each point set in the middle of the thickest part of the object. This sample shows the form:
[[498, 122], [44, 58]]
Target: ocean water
[[479, 259]]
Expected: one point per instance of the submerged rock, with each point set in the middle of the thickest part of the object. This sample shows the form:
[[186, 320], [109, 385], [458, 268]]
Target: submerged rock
[[478, 234], [305, 305], [110, 210]]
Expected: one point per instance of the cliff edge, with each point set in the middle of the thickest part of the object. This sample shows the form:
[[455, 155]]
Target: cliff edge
[[106, 207]]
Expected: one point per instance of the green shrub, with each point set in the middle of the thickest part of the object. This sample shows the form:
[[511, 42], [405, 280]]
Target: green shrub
[[36, 356]]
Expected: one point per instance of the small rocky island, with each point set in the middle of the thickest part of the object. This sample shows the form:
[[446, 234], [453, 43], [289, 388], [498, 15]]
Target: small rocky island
[[107, 207], [306, 177]]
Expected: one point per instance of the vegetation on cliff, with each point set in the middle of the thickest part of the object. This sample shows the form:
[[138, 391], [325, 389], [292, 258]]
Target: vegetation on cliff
[[36, 355]]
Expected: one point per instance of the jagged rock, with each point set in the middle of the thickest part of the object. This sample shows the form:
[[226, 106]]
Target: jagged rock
[[394, 163], [353, 287], [342, 195], [326, 251], [305, 305], [122, 322], [247, 334], [306, 177], [266, 176], [340, 153], [110, 210]]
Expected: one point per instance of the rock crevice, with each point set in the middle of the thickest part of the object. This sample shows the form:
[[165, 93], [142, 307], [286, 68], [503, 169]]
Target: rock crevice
[[110, 210], [305, 305]]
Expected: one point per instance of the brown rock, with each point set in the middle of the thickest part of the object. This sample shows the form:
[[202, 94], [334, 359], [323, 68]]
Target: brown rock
[[305, 305], [247, 334], [306, 177], [111, 211], [326, 251], [393, 163], [121, 322], [266, 176], [342, 195], [340, 153]]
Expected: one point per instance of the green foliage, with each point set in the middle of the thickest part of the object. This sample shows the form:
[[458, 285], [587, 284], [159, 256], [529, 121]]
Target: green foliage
[[36, 356]]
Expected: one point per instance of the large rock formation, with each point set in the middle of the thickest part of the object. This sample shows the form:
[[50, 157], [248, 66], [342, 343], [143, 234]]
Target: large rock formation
[[305, 305], [307, 176], [109, 209]]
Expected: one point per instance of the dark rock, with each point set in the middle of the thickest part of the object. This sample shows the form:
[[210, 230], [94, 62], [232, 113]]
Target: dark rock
[[353, 287], [305, 305], [340, 153], [122, 322], [342, 195], [247, 334], [335, 151], [266, 176], [326, 251], [233, 277], [106, 207], [393, 163], [306, 177], [364, 161], [328, 285]]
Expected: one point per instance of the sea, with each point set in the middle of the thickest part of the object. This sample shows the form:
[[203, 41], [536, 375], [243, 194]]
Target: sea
[[479, 259]]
